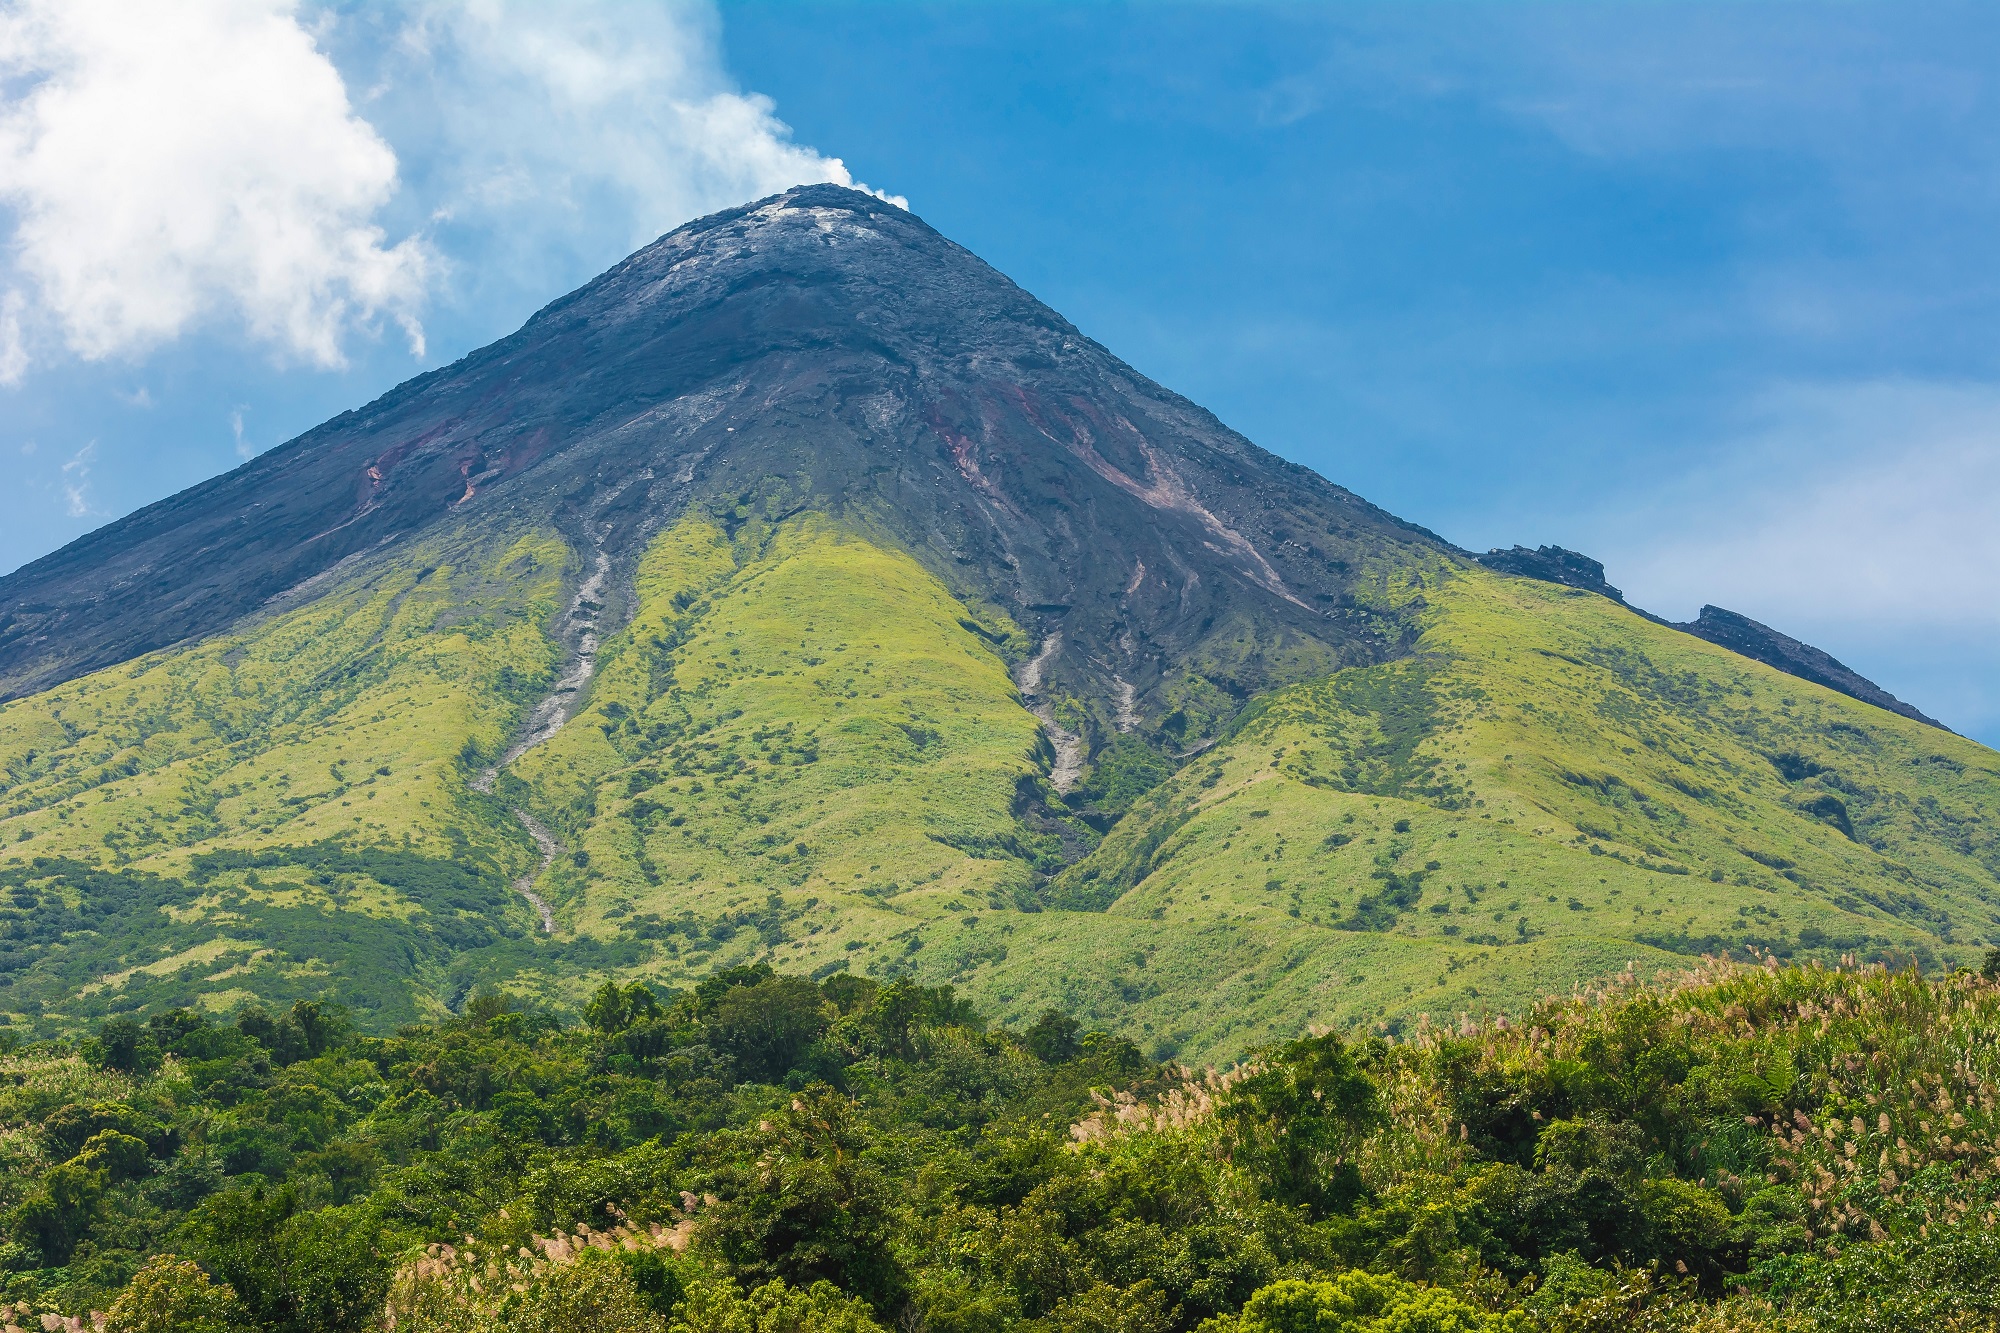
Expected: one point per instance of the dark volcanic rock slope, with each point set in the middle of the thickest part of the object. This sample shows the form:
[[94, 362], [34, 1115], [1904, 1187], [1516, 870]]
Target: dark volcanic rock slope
[[823, 350]]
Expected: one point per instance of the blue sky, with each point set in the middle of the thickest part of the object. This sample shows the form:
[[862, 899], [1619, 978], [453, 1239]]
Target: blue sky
[[1707, 291]]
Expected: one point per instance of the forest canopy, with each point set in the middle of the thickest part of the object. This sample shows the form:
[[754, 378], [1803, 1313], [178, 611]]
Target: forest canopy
[[1739, 1148]]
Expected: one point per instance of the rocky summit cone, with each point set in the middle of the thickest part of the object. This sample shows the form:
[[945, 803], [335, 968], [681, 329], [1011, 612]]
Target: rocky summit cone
[[820, 350], [801, 591]]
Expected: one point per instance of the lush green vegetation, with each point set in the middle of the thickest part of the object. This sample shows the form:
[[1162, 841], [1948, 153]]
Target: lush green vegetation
[[1745, 1148], [801, 739], [802, 750], [282, 812], [347, 714], [1548, 789]]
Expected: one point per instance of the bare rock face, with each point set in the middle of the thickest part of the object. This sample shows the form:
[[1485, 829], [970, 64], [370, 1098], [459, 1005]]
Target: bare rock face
[[1552, 564], [1741, 634]]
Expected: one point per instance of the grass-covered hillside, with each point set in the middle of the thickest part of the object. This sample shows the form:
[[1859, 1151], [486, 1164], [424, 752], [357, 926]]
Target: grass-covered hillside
[[802, 749], [281, 811], [1741, 1150], [1551, 787], [802, 714]]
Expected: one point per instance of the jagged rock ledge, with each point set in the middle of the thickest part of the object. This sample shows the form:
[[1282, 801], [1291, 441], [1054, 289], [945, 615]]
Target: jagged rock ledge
[[1726, 629]]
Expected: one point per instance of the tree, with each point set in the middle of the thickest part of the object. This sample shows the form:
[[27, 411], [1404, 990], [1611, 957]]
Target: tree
[[126, 1047], [174, 1026], [334, 1278], [902, 1007], [1054, 1038], [775, 1307], [1140, 1308], [486, 1005], [1298, 1120], [614, 1008], [71, 1125], [58, 1215], [807, 1204], [309, 1029], [297, 1272], [1358, 1302], [173, 1295], [769, 1025], [120, 1156], [320, 1025], [849, 993]]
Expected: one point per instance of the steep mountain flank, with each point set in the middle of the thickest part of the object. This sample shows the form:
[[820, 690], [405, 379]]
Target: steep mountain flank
[[1738, 633], [820, 350], [1550, 786], [802, 591], [1741, 634]]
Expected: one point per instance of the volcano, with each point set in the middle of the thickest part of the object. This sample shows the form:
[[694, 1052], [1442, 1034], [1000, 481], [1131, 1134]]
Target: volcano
[[802, 591]]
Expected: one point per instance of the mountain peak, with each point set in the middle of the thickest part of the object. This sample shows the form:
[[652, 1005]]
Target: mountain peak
[[820, 348]]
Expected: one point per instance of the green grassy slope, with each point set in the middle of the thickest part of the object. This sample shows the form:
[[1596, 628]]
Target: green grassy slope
[[804, 749], [1552, 788], [802, 744], [165, 822]]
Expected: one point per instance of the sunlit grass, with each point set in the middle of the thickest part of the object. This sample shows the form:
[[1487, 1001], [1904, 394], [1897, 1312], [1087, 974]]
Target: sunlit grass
[[803, 748], [819, 738], [1550, 788]]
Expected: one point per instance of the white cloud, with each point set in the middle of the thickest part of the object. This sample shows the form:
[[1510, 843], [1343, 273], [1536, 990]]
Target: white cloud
[[568, 115], [13, 351], [76, 481], [1872, 507], [244, 448], [172, 163], [174, 166]]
